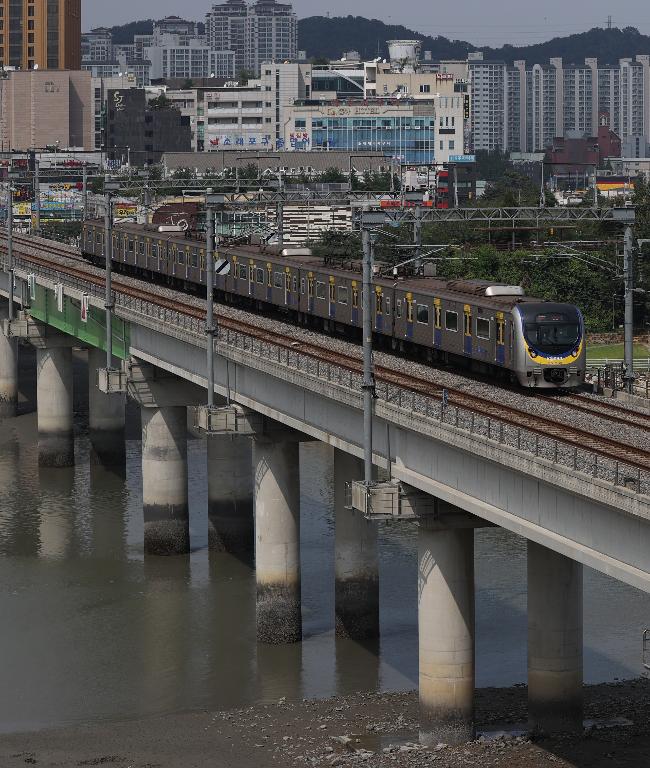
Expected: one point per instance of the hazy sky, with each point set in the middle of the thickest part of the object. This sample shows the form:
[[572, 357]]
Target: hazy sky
[[479, 21]]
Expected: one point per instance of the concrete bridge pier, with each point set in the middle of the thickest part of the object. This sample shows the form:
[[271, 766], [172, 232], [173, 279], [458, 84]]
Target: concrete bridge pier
[[231, 516], [106, 417], [446, 630], [277, 539], [356, 559], [54, 396], [164, 481], [555, 671], [164, 400], [8, 371]]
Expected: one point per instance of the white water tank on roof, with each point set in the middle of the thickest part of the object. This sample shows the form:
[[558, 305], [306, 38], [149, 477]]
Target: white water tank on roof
[[404, 54]]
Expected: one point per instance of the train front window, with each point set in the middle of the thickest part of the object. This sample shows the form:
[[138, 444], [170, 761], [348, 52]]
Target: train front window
[[553, 332]]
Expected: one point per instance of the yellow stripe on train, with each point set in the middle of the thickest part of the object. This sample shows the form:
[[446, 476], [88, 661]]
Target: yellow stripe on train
[[556, 360]]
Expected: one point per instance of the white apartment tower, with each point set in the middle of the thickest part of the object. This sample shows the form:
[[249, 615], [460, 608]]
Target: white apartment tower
[[264, 31]]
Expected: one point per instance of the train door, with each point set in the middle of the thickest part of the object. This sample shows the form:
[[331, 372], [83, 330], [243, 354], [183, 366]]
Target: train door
[[437, 323], [332, 295], [379, 309], [251, 278], [287, 286], [468, 330], [501, 339], [355, 303], [310, 291], [409, 315]]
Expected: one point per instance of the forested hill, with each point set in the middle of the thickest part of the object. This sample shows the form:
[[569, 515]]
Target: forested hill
[[329, 38]]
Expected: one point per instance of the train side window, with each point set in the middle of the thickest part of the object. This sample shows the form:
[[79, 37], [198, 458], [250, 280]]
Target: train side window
[[154, 250], [243, 272], [320, 290], [302, 286], [278, 280], [423, 314], [181, 256], [438, 316], [259, 274], [141, 247], [451, 321], [398, 308], [130, 246], [482, 328], [194, 258], [343, 294]]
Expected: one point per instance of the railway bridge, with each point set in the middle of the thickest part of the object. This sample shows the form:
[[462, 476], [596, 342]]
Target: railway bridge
[[578, 500]]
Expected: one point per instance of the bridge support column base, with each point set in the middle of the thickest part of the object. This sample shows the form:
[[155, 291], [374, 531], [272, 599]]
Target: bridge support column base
[[164, 481], [55, 414], [106, 417], [8, 376], [356, 561], [446, 634], [277, 541], [554, 641], [231, 521]]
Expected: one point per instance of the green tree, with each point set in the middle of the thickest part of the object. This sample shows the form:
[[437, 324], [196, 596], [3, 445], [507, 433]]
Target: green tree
[[332, 176]]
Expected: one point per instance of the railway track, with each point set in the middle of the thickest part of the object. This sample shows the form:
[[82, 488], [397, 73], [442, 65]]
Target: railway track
[[605, 410], [609, 448]]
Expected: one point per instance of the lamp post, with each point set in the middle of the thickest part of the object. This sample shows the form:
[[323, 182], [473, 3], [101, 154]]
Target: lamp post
[[110, 186]]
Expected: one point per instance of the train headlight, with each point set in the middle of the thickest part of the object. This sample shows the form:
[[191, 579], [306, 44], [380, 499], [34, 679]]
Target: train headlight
[[532, 353]]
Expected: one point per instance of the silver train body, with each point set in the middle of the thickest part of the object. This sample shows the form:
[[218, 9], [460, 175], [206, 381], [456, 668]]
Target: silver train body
[[477, 324]]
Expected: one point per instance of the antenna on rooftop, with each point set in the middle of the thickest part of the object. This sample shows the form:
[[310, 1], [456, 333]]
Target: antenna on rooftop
[[609, 22]]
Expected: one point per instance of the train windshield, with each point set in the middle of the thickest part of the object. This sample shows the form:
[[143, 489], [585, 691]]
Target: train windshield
[[552, 332]]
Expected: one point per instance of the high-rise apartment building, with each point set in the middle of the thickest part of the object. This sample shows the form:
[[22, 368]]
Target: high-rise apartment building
[[264, 31], [522, 109], [40, 34]]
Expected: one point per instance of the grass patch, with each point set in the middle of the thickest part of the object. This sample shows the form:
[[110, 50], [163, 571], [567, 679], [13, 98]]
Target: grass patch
[[614, 351]]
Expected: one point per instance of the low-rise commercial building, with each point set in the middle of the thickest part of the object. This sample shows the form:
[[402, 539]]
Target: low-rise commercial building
[[140, 130], [40, 108]]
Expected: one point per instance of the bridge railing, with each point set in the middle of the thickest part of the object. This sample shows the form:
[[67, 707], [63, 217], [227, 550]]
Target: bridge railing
[[578, 459]]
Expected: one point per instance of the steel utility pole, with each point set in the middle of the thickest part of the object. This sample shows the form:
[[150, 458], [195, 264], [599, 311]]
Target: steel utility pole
[[109, 304], [84, 192], [628, 276], [210, 327], [417, 227], [10, 245], [368, 385], [37, 198]]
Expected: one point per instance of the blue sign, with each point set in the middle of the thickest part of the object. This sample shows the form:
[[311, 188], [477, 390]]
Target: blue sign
[[462, 158]]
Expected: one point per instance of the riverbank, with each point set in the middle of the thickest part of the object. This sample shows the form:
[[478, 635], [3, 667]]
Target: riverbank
[[373, 730]]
